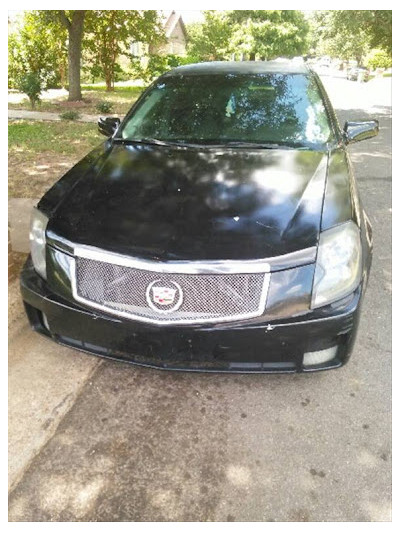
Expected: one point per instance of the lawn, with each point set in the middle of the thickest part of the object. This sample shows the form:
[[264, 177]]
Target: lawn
[[40, 152], [122, 99]]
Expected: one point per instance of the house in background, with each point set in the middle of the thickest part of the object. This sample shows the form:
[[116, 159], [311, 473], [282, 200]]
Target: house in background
[[176, 39], [176, 35]]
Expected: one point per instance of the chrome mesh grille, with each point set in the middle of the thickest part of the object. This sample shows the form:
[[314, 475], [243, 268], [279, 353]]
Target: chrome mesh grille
[[125, 291]]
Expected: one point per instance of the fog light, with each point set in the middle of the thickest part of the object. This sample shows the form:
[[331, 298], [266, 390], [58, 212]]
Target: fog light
[[319, 357]]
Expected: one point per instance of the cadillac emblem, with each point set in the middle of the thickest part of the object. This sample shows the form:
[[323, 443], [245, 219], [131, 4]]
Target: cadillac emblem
[[164, 297]]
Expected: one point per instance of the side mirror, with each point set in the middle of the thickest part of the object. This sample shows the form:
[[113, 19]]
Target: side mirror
[[108, 125], [359, 131]]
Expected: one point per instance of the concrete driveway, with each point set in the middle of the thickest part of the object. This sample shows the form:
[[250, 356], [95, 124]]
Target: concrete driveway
[[94, 440]]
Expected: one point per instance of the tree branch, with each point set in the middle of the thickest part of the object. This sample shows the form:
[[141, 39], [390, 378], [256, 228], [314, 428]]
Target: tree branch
[[64, 19]]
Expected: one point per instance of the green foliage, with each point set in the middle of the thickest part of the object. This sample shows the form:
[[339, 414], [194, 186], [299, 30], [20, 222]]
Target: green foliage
[[30, 84], [158, 64], [70, 115], [378, 59], [121, 74], [38, 44], [108, 35], [91, 73], [249, 33], [268, 34], [104, 106], [379, 27], [330, 38], [209, 41], [15, 65], [350, 34]]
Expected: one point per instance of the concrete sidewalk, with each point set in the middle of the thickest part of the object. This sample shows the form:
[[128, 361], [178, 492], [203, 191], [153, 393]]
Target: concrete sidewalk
[[14, 114]]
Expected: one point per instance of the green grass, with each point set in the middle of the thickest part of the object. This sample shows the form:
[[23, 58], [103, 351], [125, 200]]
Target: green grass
[[126, 91], [41, 152], [122, 99], [58, 137]]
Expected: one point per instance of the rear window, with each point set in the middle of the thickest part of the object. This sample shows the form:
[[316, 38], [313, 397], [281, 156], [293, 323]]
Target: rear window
[[259, 108]]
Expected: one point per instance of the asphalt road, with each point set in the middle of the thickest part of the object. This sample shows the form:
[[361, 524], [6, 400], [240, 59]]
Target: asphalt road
[[101, 441]]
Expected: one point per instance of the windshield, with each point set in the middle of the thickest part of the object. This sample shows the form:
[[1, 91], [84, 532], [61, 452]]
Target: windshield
[[279, 109]]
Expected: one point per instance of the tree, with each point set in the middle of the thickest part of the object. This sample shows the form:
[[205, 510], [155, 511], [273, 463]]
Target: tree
[[268, 34], [73, 21], [379, 28], [249, 33], [109, 33], [38, 44], [351, 34], [209, 41], [375, 24], [332, 38]]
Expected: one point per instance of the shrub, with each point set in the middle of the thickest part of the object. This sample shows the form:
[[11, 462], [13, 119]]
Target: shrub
[[104, 106], [379, 59], [30, 84], [70, 115]]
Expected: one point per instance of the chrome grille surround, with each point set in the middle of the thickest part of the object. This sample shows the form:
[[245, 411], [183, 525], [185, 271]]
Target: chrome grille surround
[[213, 291]]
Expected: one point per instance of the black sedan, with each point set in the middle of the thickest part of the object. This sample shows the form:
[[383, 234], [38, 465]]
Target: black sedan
[[218, 228]]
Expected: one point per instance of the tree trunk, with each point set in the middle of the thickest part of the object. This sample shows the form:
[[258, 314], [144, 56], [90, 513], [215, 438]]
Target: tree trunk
[[108, 76], [75, 33], [63, 71], [74, 56], [109, 86]]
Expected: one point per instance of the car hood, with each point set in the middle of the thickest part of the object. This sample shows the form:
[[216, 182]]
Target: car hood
[[168, 203]]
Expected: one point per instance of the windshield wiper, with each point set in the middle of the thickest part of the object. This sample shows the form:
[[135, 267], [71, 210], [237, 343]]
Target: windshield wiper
[[150, 140], [265, 145], [195, 144], [146, 140]]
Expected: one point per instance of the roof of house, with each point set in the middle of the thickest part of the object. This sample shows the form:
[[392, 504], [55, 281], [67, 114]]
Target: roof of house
[[171, 22], [240, 67]]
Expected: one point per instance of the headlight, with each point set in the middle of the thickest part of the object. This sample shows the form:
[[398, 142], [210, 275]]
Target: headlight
[[338, 268], [37, 237]]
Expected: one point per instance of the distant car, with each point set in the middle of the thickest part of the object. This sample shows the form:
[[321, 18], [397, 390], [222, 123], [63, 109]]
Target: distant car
[[358, 74], [218, 228], [323, 66]]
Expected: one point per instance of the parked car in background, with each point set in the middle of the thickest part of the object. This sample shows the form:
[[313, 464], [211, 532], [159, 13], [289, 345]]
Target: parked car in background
[[218, 228], [323, 66], [358, 74]]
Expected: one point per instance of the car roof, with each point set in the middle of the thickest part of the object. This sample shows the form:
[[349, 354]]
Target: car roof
[[240, 67]]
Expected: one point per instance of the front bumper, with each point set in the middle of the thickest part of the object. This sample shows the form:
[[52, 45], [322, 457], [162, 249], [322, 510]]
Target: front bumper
[[267, 346]]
